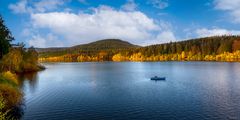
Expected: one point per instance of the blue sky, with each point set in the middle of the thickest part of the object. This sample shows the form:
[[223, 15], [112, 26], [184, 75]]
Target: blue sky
[[52, 23]]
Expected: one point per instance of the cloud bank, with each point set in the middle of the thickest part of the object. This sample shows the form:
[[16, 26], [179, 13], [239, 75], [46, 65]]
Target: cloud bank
[[230, 6], [51, 24], [67, 28], [104, 22]]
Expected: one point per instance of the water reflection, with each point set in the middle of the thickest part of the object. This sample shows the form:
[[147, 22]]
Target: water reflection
[[192, 90], [28, 80]]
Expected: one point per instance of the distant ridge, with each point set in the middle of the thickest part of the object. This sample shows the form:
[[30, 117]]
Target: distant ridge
[[105, 44]]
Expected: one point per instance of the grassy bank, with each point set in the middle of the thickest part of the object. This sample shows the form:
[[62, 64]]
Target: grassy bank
[[10, 94], [18, 60]]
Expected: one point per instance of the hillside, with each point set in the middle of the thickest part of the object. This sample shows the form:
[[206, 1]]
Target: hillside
[[217, 48], [106, 44], [205, 46]]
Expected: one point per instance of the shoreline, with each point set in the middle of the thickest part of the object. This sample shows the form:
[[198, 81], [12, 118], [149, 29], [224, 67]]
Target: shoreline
[[138, 61]]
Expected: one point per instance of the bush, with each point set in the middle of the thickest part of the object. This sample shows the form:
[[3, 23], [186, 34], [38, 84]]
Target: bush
[[12, 61], [12, 96], [10, 76], [19, 60]]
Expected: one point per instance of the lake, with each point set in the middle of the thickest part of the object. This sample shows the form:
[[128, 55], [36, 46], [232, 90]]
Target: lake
[[123, 90]]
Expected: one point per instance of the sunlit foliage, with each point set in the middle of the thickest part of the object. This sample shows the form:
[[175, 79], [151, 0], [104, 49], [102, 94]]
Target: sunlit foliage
[[8, 77], [219, 48], [11, 95], [20, 60]]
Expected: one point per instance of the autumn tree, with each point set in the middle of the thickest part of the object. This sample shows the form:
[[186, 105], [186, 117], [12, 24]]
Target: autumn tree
[[12, 61]]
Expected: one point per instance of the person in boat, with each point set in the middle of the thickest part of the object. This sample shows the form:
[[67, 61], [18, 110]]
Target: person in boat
[[157, 78]]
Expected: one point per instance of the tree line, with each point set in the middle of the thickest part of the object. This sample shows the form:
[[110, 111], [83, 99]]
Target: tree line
[[217, 48]]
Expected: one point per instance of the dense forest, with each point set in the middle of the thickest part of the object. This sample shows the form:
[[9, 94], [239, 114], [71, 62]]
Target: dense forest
[[14, 59], [217, 48]]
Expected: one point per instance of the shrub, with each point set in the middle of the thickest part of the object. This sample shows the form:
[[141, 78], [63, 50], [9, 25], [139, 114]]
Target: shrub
[[10, 76], [12, 96], [12, 61], [20, 60]]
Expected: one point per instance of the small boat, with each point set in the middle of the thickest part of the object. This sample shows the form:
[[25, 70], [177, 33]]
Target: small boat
[[158, 78]]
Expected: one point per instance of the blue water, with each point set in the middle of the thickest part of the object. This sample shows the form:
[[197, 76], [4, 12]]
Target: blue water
[[120, 91]]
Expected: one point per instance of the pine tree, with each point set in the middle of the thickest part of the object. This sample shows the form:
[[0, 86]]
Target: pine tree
[[5, 38]]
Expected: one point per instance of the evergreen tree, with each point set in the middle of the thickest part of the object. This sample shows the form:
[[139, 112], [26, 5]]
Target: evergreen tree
[[5, 38]]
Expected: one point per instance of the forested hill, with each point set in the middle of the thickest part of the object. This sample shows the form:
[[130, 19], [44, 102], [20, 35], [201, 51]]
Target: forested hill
[[205, 46], [218, 48], [106, 44]]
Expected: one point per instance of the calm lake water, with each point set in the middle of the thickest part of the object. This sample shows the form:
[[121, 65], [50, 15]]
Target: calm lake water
[[120, 91]]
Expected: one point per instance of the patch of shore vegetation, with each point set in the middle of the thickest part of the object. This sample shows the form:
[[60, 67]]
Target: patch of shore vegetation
[[14, 59], [21, 60], [10, 94]]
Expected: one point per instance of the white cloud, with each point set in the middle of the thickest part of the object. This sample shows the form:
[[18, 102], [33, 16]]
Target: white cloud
[[26, 32], [45, 5], [25, 6], [163, 37], [130, 5], [49, 40], [230, 6], [166, 36], [20, 7], [37, 41], [204, 32], [104, 22], [160, 4]]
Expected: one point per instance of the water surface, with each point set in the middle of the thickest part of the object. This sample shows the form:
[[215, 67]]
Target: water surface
[[120, 91]]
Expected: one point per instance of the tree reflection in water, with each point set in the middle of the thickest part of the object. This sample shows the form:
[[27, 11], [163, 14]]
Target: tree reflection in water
[[26, 81]]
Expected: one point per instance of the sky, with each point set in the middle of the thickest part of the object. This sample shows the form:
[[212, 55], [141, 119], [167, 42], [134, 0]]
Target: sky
[[64, 23]]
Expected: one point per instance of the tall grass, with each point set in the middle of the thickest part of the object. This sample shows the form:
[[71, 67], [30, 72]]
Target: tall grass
[[3, 112], [10, 95]]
